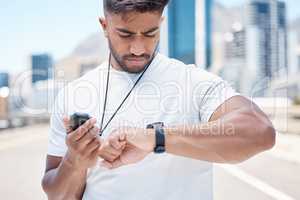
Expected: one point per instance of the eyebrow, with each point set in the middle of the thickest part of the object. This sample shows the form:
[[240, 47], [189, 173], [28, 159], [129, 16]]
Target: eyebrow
[[130, 32]]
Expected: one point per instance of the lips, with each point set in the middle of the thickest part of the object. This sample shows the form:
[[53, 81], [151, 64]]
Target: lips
[[136, 61]]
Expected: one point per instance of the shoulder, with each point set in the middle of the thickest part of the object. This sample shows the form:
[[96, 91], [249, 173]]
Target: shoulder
[[195, 73]]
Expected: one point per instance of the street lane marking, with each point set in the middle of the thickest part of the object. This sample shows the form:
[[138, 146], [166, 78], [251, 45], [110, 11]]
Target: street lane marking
[[256, 183]]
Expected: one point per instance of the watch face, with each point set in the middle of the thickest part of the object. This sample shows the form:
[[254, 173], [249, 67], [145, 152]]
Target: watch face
[[159, 149], [155, 124]]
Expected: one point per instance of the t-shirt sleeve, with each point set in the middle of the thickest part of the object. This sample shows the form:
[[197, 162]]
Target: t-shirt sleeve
[[214, 96], [57, 132]]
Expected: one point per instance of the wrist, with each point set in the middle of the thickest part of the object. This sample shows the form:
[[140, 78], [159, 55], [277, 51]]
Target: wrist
[[72, 162], [159, 136], [142, 138], [150, 138]]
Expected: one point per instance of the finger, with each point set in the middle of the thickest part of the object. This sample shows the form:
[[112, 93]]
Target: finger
[[108, 148], [66, 122], [94, 154], [85, 139], [88, 124], [89, 136], [108, 157], [83, 129], [106, 164], [123, 144], [113, 151], [114, 142], [94, 130], [76, 135], [92, 146], [116, 163], [122, 137]]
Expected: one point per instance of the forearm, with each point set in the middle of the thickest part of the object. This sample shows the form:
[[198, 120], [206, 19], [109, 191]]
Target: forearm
[[231, 139], [65, 182]]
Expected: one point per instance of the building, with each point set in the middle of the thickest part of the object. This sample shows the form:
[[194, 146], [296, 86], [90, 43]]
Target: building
[[235, 56], [204, 34], [4, 79], [298, 56], [218, 57], [187, 32], [292, 53], [42, 67], [266, 44], [181, 30], [279, 42], [235, 43]]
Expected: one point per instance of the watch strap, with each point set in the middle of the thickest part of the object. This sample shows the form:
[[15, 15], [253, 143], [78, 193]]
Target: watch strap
[[159, 136], [159, 140]]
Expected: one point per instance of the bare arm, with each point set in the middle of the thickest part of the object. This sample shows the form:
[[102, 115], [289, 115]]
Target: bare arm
[[62, 180], [237, 130], [65, 177]]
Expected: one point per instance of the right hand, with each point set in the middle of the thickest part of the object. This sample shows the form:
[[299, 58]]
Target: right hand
[[83, 144]]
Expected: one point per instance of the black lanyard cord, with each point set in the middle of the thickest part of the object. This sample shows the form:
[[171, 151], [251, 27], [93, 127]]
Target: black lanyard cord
[[106, 91], [106, 94]]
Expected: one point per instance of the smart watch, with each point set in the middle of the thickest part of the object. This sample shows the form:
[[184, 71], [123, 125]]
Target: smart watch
[[159, 136]]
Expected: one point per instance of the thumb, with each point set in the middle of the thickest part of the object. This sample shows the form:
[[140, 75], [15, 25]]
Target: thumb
[[66, 121]]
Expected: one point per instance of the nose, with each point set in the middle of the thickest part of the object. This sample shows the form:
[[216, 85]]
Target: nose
[[137, 47]]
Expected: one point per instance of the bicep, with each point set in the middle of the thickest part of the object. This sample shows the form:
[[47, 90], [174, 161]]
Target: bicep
[[232, 104]]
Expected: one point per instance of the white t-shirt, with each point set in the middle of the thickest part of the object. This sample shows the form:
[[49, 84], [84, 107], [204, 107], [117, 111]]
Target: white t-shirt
[[169, 92]]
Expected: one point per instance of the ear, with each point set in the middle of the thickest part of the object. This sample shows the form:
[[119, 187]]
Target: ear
[[103, 25]]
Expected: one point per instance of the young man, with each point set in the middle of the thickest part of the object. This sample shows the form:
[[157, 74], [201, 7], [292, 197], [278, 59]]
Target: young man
[[205, 121]]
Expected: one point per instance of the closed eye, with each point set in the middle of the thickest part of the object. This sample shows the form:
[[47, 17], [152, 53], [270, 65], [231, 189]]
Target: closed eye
[[150, 35], [125, 35]]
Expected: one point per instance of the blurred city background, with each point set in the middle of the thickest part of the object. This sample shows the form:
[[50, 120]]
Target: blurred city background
[[253, 44]]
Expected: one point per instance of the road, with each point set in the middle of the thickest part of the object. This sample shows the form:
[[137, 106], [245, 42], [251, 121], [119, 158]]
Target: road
[[267, 176]]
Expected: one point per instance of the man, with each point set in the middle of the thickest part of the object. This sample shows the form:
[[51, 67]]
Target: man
[[204, 120]]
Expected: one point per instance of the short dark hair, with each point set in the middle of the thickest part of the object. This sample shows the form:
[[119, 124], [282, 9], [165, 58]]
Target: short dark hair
[[142, 6]]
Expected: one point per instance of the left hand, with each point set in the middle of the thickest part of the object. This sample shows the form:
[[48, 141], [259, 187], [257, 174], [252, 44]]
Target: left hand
[[139, 143], [110, 150]]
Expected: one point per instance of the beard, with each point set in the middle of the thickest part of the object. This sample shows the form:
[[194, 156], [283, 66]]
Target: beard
[[121, 59]]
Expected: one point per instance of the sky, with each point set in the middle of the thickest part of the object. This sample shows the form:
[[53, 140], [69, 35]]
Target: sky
[[53, 26], [56, 27]]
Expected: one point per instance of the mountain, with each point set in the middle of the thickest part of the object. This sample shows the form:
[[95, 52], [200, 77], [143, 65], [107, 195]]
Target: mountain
[[93, 46], [87, 55]]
